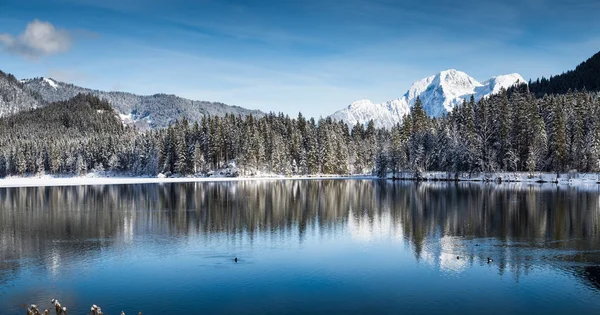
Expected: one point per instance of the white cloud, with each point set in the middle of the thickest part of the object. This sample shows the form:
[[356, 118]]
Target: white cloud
[[39, 39]]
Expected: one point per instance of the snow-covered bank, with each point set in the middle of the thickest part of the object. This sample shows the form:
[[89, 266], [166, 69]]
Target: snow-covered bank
[[570, 178], [92, 179]]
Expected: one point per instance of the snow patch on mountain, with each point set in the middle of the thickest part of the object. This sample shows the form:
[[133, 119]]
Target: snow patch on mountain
[[126, 119], [439, 94], [50, 82]]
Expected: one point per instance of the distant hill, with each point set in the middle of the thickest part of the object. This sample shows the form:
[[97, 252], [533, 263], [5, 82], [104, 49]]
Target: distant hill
[[82, 116], [585, 76], [14, 97], [155, 111]]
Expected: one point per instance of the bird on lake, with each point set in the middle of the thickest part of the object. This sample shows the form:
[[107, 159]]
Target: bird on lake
[[457, 257], [57, 306], [33, 310], [96, 310], [236, 260], [489, 260]]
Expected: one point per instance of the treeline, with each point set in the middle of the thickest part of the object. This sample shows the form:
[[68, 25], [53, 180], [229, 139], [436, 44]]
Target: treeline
[[511, 131], [83, 134]]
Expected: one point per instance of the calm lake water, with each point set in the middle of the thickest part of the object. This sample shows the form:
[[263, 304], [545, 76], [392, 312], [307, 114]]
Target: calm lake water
[[304, 246]]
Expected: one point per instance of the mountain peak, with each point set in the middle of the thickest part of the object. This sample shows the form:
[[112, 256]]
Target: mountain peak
[[454, 77], [360, 103]]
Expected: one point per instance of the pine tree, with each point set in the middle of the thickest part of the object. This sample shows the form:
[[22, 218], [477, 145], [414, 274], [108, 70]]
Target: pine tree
[[199, 162], [182, 158], [80, 165], [3, 165]]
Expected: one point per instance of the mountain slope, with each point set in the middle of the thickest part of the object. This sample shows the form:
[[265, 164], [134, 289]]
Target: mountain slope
[[585, 76], [155, 111], [384, 115], [14, 98], [439, 93]]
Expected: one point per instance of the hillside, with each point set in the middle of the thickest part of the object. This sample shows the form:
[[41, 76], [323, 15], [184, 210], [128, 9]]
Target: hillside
[[14, 97], [83, 116], [585, 76], [155, 111]]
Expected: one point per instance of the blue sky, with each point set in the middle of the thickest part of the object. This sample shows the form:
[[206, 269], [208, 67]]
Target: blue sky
[[290, 56]]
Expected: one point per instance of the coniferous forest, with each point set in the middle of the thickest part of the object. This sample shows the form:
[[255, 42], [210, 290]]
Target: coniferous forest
[[510, 131]]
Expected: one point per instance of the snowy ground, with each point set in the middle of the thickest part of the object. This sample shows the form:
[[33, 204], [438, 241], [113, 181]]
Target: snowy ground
[[94, 179], [571, 178]]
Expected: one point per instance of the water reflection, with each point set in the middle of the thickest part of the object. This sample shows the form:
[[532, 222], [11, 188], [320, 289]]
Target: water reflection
[[521, 226]]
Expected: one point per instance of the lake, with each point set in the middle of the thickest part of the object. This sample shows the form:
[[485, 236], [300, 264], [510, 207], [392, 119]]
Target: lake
[[304, 246]]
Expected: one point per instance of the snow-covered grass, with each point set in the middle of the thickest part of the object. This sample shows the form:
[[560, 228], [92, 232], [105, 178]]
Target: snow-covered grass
[[570, 178], [95, 179]]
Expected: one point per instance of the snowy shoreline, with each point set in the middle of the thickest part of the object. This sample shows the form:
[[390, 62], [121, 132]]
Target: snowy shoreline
[[505, 177], [91, 179], [570, 178]]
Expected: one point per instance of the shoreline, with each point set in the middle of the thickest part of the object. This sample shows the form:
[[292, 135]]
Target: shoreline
[[570, 178], [95, 180], [92, 179]]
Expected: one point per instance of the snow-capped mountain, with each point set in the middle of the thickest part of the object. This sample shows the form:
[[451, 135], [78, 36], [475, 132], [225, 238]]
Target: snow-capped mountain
[[384, 115], [439, 94], [155, 111]]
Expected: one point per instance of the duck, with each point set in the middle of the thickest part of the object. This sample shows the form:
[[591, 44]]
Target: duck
[[57, 306], [33, 309], [457, 257], [236, 260], [489, 260], [96, 310]]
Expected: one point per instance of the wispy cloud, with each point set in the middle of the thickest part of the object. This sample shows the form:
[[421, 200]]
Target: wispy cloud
[[39, 39]]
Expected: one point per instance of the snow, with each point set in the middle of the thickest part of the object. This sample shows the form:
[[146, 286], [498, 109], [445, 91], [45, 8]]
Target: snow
[[439, 95], [94, 179], [494, 84], [384, 115], [51, 83], [126, 119]]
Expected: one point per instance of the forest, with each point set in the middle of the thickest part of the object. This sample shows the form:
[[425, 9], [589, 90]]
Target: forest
[[510, 131]]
